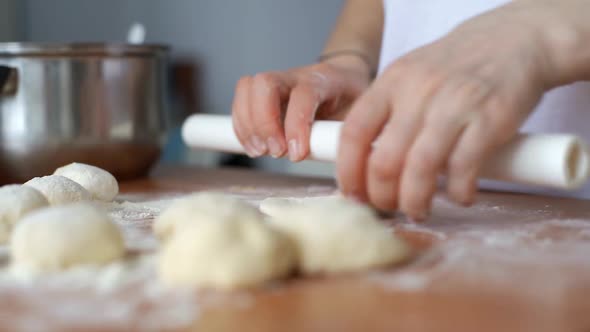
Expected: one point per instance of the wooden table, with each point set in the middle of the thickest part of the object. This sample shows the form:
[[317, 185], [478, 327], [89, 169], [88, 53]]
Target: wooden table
[[510, 263]]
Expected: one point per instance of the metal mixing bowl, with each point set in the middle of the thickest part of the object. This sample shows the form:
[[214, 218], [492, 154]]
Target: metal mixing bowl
[[101, 104]]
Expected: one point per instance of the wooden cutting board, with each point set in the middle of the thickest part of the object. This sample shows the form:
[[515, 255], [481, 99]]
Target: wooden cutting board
[[510, 263]]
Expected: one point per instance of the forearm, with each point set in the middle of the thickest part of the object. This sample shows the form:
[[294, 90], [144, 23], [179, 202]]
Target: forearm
[[359, 29], [564, 29], [572, 51]]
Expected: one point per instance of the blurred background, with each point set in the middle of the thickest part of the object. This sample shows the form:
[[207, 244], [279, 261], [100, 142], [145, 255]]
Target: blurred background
[[214, 42]]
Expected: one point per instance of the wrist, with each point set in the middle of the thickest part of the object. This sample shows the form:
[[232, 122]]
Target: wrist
[[564, 34], [351, 60], [569, 53]]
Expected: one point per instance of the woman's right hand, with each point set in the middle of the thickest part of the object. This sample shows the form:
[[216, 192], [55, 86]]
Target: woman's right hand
[[273, 112]]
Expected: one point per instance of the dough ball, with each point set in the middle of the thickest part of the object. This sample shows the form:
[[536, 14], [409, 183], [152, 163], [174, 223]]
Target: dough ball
[[59, 189], [276, 206], [338, 235], [15, 202], [101, 184], [202, 207], [227, 254], [61, 237]]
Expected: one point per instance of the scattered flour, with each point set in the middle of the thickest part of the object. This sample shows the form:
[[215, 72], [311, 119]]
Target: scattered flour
[[108, 297], [469, 252], [543, 259]]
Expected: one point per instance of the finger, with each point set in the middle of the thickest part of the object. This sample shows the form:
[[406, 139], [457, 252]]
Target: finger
[[473, 145], [481, 138], [303, 104], [387, 158], [419, 178], [451, 111], [443, 124], [241, 118], [389, 151], [362, 125], [266, 92]]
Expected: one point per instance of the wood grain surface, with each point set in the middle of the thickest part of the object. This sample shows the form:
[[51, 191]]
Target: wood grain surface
[[509, 263]]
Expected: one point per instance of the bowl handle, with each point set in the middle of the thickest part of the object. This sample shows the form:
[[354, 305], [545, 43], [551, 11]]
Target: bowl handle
[[8, 81]]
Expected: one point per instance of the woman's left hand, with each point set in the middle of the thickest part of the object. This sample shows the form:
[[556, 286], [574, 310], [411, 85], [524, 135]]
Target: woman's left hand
[[447, 106]]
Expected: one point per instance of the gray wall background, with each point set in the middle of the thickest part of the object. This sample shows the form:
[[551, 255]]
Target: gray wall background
[[227, 38], [12, 23], [230, 38]]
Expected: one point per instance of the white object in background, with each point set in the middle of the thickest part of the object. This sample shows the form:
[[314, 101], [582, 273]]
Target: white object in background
[[136, 34], [559, 161]]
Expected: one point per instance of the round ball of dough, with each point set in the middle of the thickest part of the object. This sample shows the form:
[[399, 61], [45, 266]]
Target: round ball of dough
[[101, 184], [227, 254], [206, 206], [61, 237], [59, 189], [15, 202], [338, 235]]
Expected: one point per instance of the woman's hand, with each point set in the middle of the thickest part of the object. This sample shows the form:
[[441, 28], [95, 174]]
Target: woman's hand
[[273, 112], [448, 106]]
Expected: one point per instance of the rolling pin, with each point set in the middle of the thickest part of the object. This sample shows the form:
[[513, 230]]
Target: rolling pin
[[549, 160]]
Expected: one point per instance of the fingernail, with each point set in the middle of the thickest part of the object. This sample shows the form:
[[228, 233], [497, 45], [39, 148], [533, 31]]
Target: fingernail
[[258, 146], [274, 147], [293, 151], [357, 198], [250, 151], [468, 203], [421, 216]]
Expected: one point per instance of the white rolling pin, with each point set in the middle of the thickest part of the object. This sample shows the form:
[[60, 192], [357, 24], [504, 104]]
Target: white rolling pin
[[559, 161]]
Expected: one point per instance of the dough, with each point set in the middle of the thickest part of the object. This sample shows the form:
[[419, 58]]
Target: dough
[[276, 206], [15, 202], [59, 189], [202, 207], [225, 253], [337, 235], [101, 184], [60, 237]]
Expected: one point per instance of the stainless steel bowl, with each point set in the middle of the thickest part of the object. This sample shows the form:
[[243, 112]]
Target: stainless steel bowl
[[102, 104]]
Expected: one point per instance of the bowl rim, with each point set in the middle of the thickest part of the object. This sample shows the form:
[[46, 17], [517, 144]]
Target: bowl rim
[[81, 49]]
